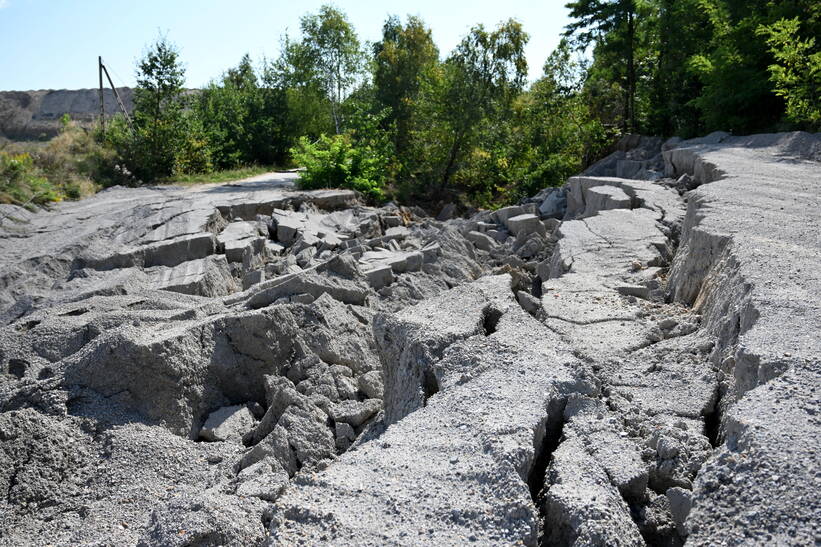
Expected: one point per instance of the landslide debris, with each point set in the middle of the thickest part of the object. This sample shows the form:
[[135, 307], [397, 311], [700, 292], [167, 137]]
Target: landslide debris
[[616, 361]]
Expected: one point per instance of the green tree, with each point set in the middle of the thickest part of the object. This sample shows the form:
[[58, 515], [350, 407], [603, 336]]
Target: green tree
[[796, 72], [307, 110], [559, 132], [611, 25], [681, 31], [481, 79], [404, 57], [159, 123], [245, 121], [331, 54]]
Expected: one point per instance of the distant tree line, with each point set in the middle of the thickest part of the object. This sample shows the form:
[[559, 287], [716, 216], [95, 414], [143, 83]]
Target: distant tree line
[[398, 119]]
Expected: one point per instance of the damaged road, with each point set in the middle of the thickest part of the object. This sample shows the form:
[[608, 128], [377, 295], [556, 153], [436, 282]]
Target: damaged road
[[620, 361]]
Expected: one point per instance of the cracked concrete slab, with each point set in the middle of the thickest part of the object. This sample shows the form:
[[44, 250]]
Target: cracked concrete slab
[[643, 372]]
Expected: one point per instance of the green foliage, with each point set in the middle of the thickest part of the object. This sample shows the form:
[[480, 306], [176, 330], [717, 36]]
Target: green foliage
[[397, 121], [463, 100], [193, 152], [403, 59], [242, 119], [336, 162], [329, 57], [736, 94], [159, 121], [559, 129], [797, 70], [62, 168], [22, 184], [614, 27], [688, 67]]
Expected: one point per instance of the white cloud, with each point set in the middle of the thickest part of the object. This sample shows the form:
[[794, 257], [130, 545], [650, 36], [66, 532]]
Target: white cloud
[[4, 4]]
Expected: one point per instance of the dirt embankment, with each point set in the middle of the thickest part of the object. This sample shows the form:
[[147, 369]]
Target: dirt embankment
[[33, 115]]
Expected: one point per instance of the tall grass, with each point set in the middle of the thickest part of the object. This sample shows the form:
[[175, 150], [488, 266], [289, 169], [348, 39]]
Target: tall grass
[[38, 173]]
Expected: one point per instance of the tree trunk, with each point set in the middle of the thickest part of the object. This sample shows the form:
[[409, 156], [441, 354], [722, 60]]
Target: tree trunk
[[630, 99], [454, 151]]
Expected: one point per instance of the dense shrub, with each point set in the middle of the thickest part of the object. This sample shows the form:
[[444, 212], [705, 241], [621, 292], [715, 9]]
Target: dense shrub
[[335, 162], [64, 167], [21, 182]]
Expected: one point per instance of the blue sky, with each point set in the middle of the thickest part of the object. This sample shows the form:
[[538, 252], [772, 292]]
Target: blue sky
[[53, 44]]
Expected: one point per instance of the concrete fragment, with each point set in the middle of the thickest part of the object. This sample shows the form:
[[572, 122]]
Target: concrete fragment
[[345, 435], [581, 506], [178, 250], [431, 252], [371, 385], [208, 276], [529, 303], [554, 204], [484, 402], [527, 223], [355, 413], [379, 277], [228, 423], [619, 456], [603, 198], [252, 278], [501, 215], [414, 261], [681, 501], [480, 240], [265, 480], [287, 229], [392, 220]]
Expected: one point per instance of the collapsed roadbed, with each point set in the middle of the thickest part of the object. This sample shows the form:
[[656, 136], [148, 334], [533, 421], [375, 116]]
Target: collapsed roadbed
[[620, 361]]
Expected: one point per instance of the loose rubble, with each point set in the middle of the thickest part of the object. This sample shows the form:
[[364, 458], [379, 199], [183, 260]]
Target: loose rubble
[[614, 362]]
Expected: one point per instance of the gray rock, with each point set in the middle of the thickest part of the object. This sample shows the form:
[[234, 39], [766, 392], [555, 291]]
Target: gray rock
[[392, 220], [252, 278], [208, 519], [379, 277], [501, 215], [345, 435], [602, 198], [581, 506], [228, 423], [681, 501], [119, 337], [527, 223], [371, 385], [355, 413], [529, 303], [554, 204], [287, 229], [265, 480], [480, 240]]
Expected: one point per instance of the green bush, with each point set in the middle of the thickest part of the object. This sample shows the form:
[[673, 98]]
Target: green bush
[[193, 154], [21, 183], [335, 162]]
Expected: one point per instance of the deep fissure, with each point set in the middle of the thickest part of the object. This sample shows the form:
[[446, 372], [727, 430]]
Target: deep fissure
[[536, 478], [490, 320], [712, 421]]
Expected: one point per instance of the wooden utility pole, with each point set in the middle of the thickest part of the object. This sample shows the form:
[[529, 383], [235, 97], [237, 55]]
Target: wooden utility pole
[[101, 68], [102, 102], [117, 96]]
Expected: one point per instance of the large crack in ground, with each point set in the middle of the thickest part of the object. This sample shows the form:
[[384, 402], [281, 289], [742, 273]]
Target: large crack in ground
[[653, 519]]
